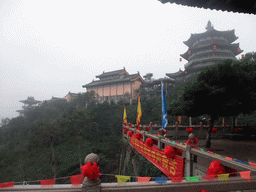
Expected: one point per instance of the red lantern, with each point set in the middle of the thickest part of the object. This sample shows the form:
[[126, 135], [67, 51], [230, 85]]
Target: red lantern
[[186, 72], [147, 129], [201, 124], [238, 49], [243, 56], [180, 59], [189, 52], [214, 47], [151, 123], [124, 131], [176, 123]]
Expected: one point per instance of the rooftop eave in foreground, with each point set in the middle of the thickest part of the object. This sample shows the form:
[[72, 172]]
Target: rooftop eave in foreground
[[235, 6]]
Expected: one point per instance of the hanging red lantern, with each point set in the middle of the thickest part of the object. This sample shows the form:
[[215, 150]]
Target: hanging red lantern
[[180, 59], [236, 130], [201, 124], [189, 52], [238, 49], [124, 131], [186, 72], [214, 47], [242, 56]]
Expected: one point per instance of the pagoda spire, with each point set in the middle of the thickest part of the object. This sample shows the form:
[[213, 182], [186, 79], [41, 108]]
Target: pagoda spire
[[209, 26]]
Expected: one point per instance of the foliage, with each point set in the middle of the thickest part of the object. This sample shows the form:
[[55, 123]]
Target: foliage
[[226, 89]]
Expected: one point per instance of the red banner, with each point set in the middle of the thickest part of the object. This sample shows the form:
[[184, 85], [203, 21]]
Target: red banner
[[170, 167]]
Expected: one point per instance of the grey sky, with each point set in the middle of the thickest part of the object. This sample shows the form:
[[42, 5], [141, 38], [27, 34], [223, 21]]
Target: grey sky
[[49, 48]]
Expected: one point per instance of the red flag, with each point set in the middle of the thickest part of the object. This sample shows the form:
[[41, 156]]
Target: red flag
[[143, 179], [47, 182], [76, 179], [8, 184]]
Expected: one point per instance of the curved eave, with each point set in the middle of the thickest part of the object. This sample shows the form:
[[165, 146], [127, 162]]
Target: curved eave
[[185, 55], [140, 79], [229, 35], [247, 7]]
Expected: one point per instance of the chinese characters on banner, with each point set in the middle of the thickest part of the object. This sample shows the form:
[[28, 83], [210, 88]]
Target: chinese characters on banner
[[170, 167]]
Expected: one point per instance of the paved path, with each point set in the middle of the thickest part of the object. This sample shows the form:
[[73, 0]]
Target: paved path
[[242, 150]]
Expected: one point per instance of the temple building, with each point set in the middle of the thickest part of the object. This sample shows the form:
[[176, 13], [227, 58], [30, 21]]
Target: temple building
[[70, 96], [115, 86], [29, 104], [207, 49]]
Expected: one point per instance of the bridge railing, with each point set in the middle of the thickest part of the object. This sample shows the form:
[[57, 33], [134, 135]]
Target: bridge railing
[[196, 161]]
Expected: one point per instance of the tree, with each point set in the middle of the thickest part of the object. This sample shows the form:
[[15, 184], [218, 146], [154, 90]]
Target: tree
[[148, 76], [226, 89]]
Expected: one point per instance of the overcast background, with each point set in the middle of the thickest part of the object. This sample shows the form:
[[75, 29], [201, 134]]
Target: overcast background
[[51, 47]]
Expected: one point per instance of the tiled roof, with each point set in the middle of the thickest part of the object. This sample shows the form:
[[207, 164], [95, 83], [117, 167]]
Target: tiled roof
[[229, 35], [223, 5], [173, 75], [110, 81], [117, 72]]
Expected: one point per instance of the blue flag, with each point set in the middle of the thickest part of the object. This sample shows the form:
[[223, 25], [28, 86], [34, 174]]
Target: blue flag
[[164, 110]]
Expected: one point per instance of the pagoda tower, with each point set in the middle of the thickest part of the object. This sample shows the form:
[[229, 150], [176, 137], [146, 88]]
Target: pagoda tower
[[207, 49], [29, 104]]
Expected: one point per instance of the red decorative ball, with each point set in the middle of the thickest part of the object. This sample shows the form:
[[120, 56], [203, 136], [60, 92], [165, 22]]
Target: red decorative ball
[[124, 131], [169, 152], [147, 129], [236, 129], [215, 168], [149, 142], [176, 123], [214, 129], [190, 130], [138, 136], [130, 133], [151, 123], [90, 171]]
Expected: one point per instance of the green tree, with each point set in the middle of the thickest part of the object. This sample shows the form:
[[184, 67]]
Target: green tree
[[226, 89]]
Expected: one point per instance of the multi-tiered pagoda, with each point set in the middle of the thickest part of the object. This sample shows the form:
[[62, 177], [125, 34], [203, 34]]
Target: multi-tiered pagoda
[[29, 104], [207, 49]]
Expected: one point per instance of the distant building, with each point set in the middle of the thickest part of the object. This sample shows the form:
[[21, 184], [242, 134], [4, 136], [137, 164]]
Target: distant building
[[70, 96], [207, 49], [115, 85], [29, 104], [153, 87]]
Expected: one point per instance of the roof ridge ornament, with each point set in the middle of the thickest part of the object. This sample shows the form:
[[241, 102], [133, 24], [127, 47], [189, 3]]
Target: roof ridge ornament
[[209, 26]]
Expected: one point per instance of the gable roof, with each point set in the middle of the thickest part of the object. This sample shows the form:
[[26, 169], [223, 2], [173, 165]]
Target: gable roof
[[223, 5]]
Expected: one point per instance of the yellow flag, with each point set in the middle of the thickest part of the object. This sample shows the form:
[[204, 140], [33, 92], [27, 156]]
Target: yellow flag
[[179, 119], [223, 177], [139, 113], [125, 116], [122, 179]]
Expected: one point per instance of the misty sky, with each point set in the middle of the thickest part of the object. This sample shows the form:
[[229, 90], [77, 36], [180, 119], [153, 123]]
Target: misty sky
[[51, 47]]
